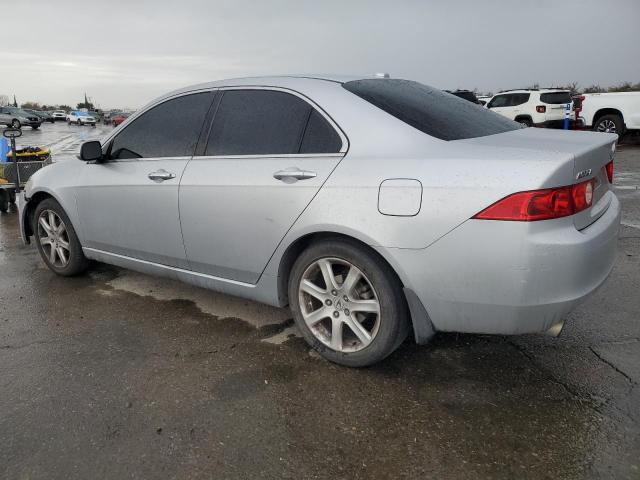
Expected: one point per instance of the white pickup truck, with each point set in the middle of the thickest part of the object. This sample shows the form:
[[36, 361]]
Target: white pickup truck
[[614, 112]]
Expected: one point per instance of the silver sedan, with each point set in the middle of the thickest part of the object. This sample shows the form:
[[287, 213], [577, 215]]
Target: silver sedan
[[374, 207]]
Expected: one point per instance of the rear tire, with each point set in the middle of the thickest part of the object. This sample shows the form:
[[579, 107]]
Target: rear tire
[[369, 314], [610, 124], [56, 240], [525, 121], [15, 123]]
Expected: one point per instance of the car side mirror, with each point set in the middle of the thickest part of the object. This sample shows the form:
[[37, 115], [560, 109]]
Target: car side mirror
[[91, 151]]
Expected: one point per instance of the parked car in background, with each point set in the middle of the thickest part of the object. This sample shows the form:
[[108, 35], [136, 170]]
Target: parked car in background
[[59, 115], [44, 116], [615, 112], [533, 107], [80, 118], [97, 116], [18, 118], [108, 116], [484, 99], [119, 118], [325, 194], [466, 94]]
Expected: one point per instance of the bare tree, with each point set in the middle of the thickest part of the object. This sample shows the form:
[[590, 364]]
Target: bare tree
[[623, 87], [4, 100], [594, 89], [31, 105]]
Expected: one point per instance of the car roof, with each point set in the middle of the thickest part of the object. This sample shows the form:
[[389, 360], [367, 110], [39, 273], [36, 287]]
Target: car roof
[[529, 90], [283, 81]]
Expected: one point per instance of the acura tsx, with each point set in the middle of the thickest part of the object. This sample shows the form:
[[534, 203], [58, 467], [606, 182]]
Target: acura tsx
[[374, 207]]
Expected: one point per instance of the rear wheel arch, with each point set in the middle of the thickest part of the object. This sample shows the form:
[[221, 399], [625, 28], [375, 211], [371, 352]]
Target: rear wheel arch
[[294, 250], [607, 111]]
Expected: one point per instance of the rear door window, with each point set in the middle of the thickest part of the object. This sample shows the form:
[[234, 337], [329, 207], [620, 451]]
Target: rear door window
[[170, 129], [555, 98], [519, 99], [430, 110], [258, 122], [269, 122]]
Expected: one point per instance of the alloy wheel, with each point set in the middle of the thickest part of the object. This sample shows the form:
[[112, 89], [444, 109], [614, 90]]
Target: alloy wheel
[[54, 238], [608, 126], [339, 305]]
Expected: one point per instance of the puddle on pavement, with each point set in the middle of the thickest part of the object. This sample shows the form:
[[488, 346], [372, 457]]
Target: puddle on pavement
[[209, 302]]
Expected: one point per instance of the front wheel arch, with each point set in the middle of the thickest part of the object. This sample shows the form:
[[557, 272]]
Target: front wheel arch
[[33, 203]]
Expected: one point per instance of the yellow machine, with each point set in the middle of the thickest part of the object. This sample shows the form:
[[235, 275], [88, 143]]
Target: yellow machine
[[30, 154], [30, 160]]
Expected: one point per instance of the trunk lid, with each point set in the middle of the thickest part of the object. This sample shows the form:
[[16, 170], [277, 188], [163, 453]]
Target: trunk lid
[[590, 163], [588, 151]]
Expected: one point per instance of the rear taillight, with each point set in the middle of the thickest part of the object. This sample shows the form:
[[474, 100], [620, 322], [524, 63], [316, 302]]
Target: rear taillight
[[541, 109], [609, 168], [577, 107], [544, 204]]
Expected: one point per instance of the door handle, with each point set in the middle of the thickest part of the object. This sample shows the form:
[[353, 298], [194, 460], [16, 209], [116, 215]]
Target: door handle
[[294, 173], [161, 175]]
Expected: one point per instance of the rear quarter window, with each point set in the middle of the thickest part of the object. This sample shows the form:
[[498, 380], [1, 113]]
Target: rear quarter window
[[430, 110], [555, 98]]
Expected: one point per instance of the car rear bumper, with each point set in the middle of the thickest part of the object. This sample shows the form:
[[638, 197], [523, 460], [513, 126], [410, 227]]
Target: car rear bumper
[[510, 277]]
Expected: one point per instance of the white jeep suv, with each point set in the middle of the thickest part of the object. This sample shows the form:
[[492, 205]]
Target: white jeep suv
[[534, 107]]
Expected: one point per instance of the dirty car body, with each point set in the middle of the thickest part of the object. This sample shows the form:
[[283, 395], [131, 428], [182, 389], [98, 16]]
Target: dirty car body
[[428, 182]]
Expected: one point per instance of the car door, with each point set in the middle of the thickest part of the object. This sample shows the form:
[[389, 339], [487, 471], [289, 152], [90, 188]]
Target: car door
[[502, 104], [268, 153], [128, 204], [518, 101]]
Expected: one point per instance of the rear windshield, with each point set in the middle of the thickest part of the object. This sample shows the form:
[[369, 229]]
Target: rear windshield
[[556, 98], [430, 110]]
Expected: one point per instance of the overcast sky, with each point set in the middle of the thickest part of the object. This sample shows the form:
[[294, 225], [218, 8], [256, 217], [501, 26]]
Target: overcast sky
[[123, 53]]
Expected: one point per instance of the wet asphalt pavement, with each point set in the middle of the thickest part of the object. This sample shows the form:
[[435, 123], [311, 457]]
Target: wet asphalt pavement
[[119, 375]]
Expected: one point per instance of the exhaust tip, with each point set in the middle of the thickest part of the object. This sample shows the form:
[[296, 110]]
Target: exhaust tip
[[555, 330]]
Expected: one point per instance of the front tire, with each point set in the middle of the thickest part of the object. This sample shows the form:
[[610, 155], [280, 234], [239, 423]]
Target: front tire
[[525, 121], [56, 239], [348, 303], [15, 123]]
